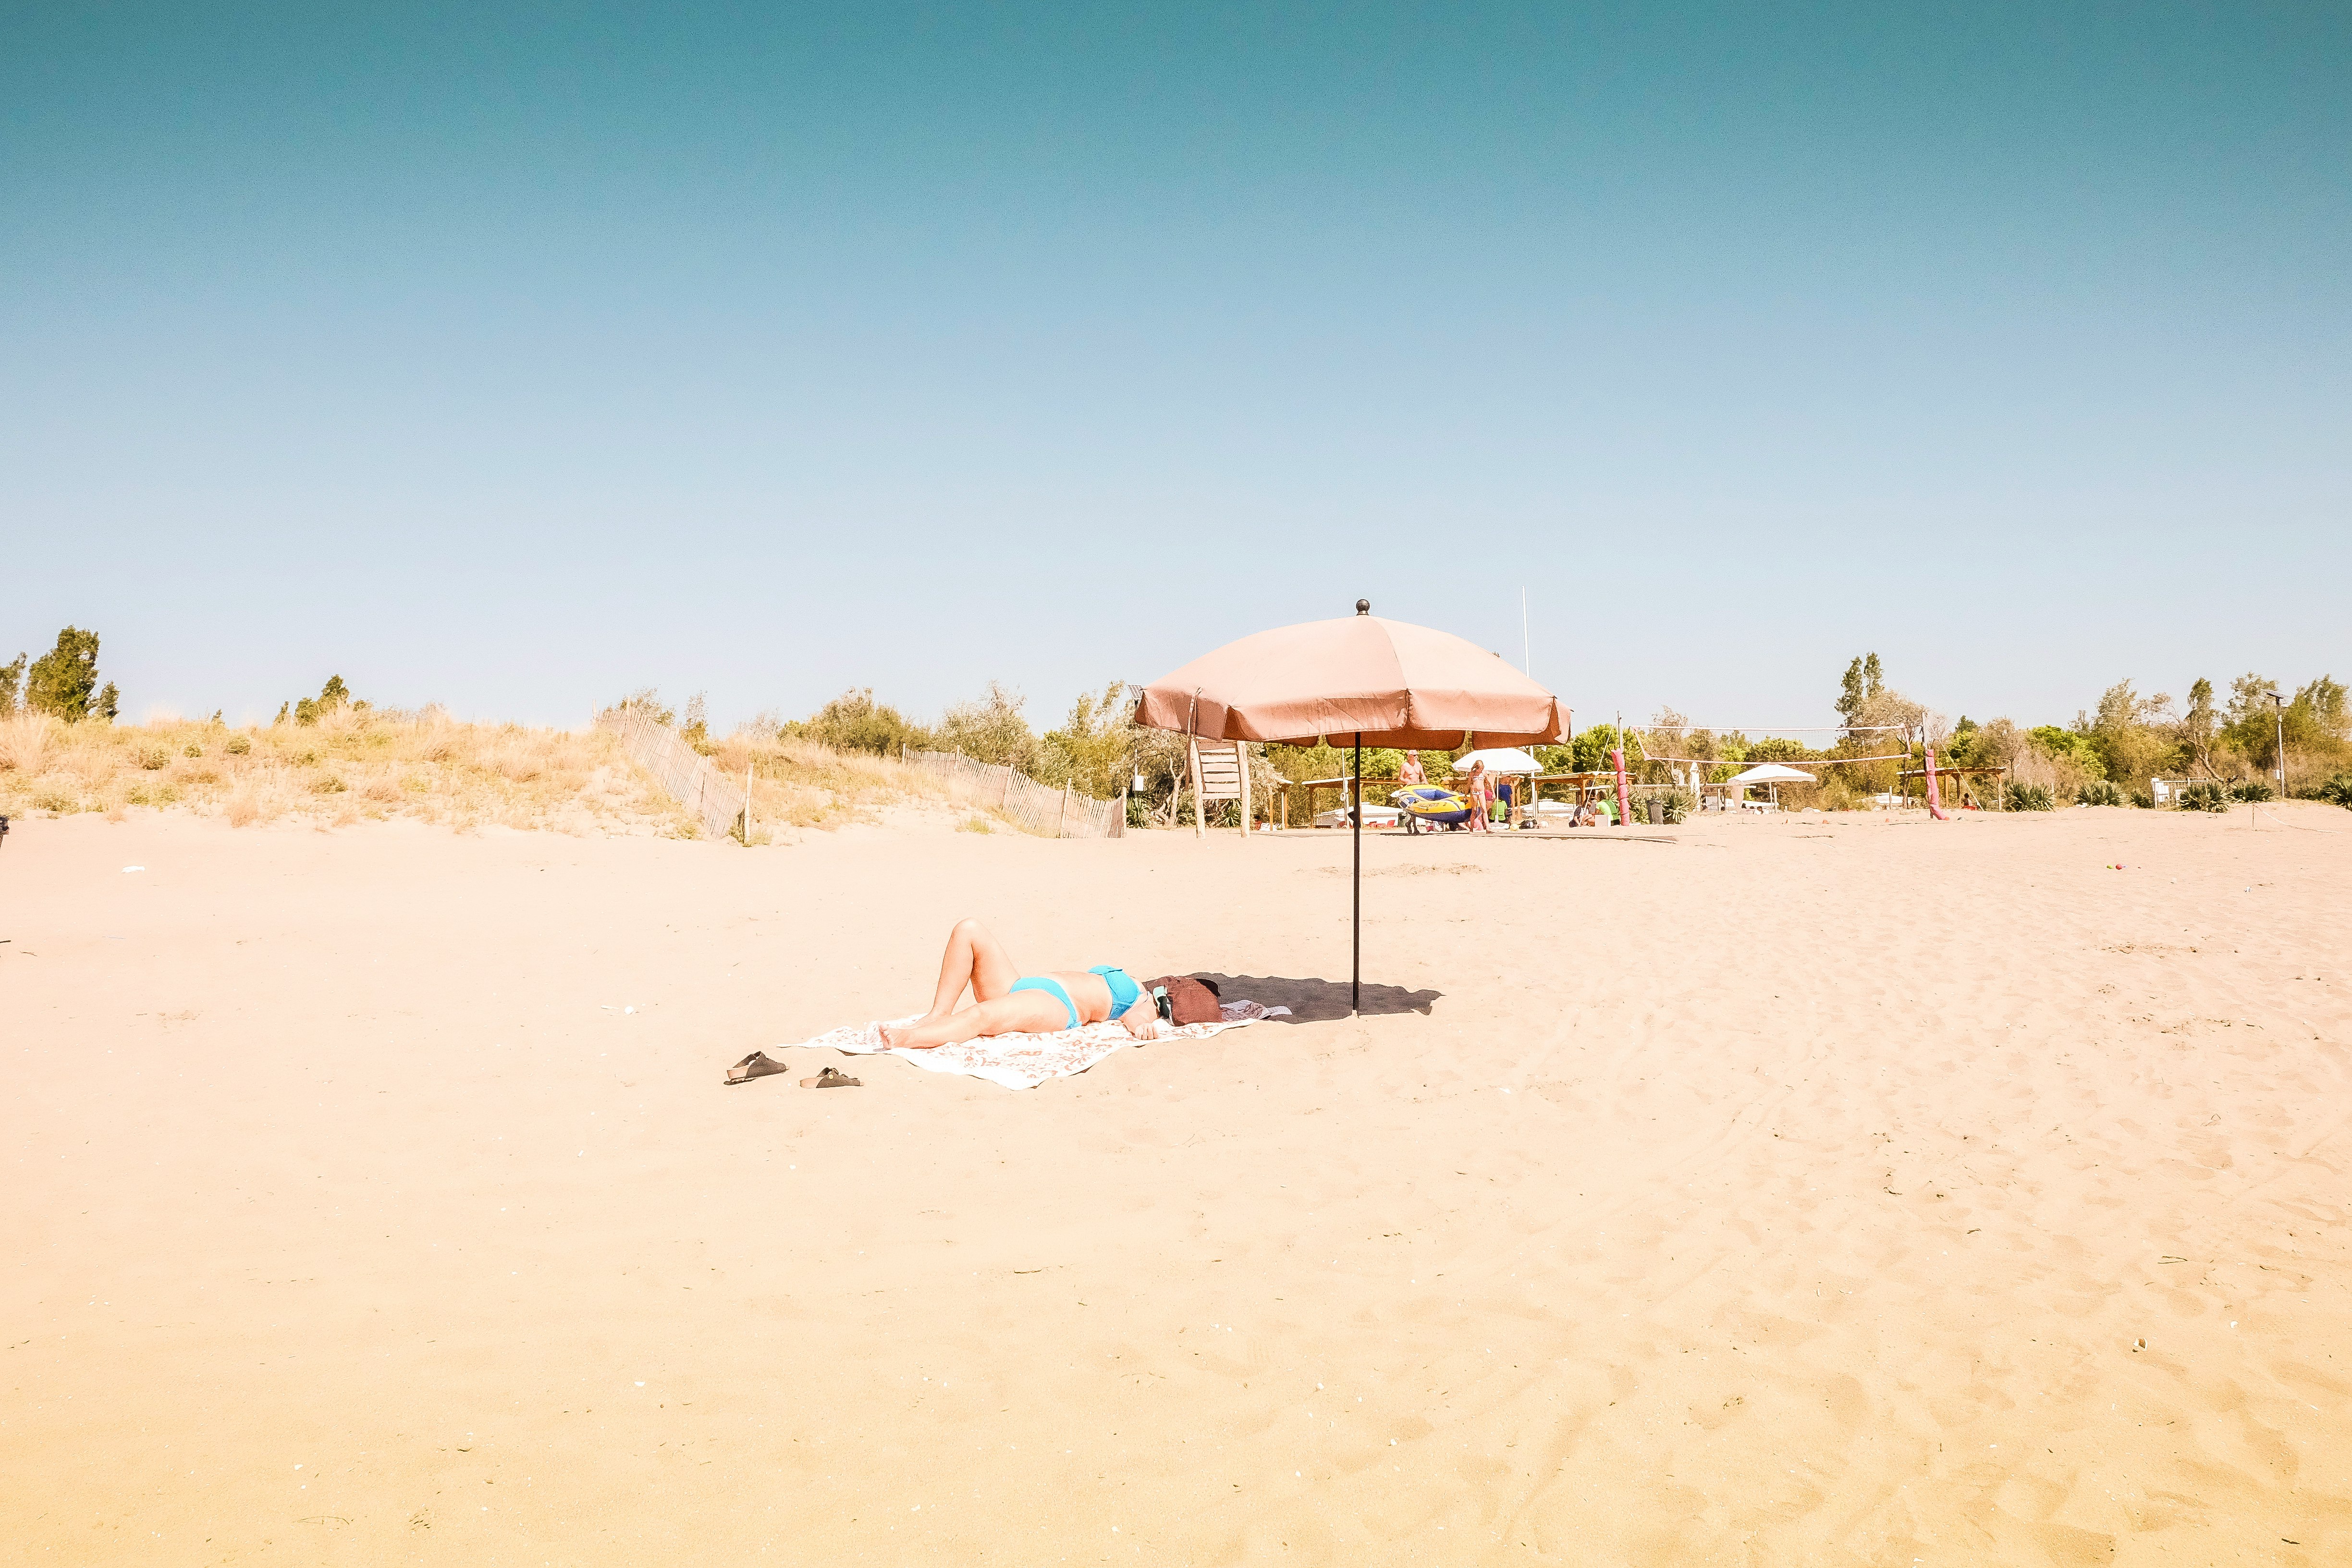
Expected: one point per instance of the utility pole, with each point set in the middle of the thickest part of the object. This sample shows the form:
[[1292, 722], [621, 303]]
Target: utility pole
[[2278, 704]]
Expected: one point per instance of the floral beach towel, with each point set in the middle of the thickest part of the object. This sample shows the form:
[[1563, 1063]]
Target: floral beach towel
[[1025, 1061]]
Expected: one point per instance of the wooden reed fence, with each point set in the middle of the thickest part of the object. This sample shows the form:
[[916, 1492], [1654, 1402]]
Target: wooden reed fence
[[715, 803], [1057, 813]]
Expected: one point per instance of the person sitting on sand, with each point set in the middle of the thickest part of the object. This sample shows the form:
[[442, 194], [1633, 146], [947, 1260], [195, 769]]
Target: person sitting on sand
[[1006, 1002]]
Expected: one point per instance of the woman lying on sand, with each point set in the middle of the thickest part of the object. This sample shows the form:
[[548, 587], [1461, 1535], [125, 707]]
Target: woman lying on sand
[[1004, 1002]]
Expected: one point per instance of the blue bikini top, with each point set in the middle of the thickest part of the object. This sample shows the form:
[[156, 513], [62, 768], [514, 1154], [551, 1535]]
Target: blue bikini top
[[1124, 992]]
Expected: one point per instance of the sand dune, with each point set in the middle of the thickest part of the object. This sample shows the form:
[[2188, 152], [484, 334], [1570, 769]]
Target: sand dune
[[1802, 1191]]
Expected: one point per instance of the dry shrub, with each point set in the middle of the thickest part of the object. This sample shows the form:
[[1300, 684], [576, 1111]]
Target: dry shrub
[[519, 764], [27, 740], [805, 784], [427, 767], [1838, 793], [90, 753], [243, 807], [2061, 776]]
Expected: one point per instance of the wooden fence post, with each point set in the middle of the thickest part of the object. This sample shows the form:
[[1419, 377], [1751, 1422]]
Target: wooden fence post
[[1199, 822]]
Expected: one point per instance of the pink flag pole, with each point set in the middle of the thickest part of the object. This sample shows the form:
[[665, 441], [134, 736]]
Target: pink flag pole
[[1624, 803]]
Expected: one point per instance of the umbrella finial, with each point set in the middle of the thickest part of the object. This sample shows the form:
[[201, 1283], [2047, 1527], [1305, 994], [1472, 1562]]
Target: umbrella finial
[[1363, 606]]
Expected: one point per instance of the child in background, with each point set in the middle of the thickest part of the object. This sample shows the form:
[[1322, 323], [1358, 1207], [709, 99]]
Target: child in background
[[1481, 791]]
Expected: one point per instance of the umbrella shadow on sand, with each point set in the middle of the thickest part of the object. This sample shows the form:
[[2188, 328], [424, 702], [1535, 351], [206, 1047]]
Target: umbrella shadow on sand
[[1316, 1001]]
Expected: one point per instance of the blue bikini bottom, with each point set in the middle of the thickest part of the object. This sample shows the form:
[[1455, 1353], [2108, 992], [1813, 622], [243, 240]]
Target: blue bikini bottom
[[1124, 992], [1046, 983]]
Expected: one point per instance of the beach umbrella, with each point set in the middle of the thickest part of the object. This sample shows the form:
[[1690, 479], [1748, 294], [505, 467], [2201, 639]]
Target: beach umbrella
[[1362, 676], [1499, 760]]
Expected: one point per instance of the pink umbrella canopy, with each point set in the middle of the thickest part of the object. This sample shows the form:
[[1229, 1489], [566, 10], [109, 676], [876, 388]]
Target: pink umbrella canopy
[[1358, 679], [1406, 684]]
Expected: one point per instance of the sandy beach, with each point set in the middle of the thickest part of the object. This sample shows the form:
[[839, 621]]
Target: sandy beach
[[1811, 1191]]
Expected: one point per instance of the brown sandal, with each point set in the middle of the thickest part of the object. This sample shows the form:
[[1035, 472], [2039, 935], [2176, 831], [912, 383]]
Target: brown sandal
[[831, 1077], [759, 1064]]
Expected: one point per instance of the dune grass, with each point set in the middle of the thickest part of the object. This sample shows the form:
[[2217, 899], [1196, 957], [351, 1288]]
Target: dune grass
[[800, 784], [348, 767], [356, 765]]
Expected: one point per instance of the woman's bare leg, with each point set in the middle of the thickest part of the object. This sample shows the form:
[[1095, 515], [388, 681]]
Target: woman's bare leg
[[973, 958], [1023, 1012]]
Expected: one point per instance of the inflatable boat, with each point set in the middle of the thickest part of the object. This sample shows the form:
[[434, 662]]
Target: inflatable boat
[[1430, 806]]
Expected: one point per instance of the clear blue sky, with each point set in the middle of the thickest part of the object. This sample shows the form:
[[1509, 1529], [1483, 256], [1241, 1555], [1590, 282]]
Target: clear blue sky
[[516, 356]]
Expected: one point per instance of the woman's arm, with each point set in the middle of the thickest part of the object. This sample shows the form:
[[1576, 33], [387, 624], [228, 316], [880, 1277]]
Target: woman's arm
[[1143, 1021]]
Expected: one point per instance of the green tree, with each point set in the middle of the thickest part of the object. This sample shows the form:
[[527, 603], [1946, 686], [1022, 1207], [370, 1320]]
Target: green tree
[[12, 681], [62, 680], [1865, 677], [2318, 725], [646, 700], [2200, 719], [2131, 733], [1591, 749], [2063, 744], [854, 721], [991, 728], [2320, 711], [1850, 696], [333, 697], [2200, 726], [1780, 749], [2248, 722], [696, 731], [1093, 750]]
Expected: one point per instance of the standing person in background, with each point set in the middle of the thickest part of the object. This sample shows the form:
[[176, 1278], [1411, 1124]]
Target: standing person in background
[[1481, 791], [1408, 773]]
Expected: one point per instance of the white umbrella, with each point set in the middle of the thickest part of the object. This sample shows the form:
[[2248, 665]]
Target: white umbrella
[[1771, 774], [1499, 760]]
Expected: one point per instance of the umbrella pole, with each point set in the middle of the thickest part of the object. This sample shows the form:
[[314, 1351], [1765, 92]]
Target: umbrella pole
[[1356, 957]]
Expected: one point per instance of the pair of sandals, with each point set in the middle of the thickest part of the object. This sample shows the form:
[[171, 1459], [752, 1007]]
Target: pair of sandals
[[760, 1064]]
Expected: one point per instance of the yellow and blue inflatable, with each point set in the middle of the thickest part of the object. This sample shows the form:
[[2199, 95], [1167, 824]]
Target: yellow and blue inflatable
[[1430, 806]]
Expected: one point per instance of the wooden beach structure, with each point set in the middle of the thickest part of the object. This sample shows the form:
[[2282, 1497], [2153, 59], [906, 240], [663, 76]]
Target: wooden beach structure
[[1942, 773], [1220, 771]]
